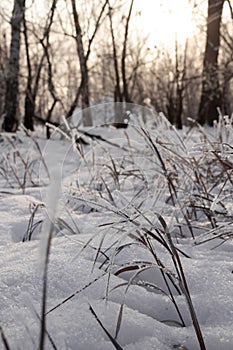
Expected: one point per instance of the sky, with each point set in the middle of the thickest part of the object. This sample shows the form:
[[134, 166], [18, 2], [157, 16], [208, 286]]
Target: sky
[[166, 20]]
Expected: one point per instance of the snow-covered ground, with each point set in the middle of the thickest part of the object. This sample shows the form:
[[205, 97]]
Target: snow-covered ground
[[111, 252]]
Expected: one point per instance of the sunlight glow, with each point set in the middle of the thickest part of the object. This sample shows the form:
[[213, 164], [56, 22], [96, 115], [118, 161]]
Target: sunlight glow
[[166, 20]]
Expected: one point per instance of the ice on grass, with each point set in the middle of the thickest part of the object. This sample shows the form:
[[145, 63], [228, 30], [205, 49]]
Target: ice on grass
[[51, 205], [78, 278]]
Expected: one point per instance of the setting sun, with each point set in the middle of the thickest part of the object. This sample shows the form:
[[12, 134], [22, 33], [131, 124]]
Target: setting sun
[[166, 20]]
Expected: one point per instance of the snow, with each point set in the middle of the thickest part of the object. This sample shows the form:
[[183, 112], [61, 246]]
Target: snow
[[52, 198], [108, 197]]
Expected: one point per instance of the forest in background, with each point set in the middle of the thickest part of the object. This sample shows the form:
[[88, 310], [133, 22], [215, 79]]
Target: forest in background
[[58, 55]]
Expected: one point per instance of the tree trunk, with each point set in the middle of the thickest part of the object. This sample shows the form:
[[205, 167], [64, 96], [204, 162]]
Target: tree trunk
[[211, 94], [79, 91], [87, 121], [123, 58], [33, 83], [29, 104], [118, 106], [120, 95], [3, 70], [117, 91], [11, 97]]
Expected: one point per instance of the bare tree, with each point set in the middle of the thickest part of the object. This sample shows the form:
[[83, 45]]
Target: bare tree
[[11, 95], [33, 81], [117, 91], [121, 94], [124, 53], [211, 94], [83, 64], [3, 69], [175, 96], [83, 88], [226, 68]]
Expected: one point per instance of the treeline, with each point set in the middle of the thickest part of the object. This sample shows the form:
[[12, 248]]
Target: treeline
[[58, 55]]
